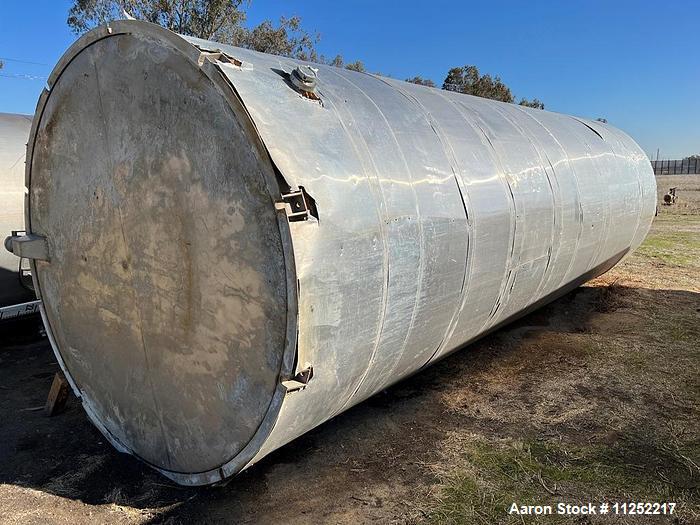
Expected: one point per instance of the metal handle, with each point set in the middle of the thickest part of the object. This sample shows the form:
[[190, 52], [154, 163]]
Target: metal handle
[[29, 246]]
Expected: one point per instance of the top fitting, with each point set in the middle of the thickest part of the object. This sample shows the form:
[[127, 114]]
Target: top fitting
[[304, 78]]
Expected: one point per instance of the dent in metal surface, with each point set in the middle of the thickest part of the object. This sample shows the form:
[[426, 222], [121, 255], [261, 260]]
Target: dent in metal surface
[[240, 235]]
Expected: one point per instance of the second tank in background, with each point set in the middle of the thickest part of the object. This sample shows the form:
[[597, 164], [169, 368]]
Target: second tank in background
[[14, 133]]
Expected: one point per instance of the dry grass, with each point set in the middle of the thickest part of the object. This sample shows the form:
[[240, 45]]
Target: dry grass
[[599, 410], [596, 396], [688, 194]]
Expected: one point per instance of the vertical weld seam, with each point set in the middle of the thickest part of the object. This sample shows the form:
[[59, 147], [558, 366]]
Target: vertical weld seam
[[502, 176], [594, 164], [578, 199], [540, 152], [450, 156], [552, 254], [640, 191], [609, 217], [606, 229], [421, 244], [503, 293], [421, 240], [385, 259]]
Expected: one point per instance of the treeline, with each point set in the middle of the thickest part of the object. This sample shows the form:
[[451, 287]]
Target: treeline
[[224, 21], [467, 79]]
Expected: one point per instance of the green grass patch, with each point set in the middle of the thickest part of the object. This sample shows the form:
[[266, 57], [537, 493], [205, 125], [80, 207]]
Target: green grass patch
[[677, 248], [676, 327], [547, 473]]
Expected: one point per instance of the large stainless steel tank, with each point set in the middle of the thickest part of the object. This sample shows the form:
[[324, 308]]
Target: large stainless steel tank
[[230, 260], [14, 132]]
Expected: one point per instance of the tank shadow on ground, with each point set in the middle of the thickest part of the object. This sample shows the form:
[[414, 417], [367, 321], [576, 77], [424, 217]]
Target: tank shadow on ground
[[393, 433]]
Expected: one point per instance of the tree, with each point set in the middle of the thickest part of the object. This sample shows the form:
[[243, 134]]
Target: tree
[[219, 20], [288, 39], [203, 19], [467, 80], [534, 103], [356, 66], [603, 120], [336, 62], [421, 81], [222, 21]]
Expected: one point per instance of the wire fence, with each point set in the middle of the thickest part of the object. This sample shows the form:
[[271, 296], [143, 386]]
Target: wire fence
[[676, 167]]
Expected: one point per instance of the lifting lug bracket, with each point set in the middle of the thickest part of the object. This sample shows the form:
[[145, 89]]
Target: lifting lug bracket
[[28, 246], [298, 205], [299, 381]]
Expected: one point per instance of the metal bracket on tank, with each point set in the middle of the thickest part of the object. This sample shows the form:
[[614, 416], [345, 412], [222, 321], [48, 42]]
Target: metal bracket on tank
[[222, 58], [299, 205], [299, 381], [29, 246]]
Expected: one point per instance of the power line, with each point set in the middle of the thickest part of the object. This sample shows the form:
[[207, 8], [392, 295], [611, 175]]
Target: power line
[[23, 61], [22, 77]]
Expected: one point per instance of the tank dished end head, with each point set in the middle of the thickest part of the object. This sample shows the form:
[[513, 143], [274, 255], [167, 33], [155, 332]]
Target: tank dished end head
[[304, 78]]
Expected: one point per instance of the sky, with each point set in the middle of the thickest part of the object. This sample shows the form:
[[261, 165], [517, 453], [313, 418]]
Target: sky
[[635, 63]]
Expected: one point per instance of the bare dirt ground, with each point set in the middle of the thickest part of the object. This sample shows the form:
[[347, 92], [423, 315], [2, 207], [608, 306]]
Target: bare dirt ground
[[593, 397]]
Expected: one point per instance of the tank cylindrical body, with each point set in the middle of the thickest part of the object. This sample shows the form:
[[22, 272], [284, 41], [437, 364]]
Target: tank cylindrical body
[[234, 255], [14, 132]]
